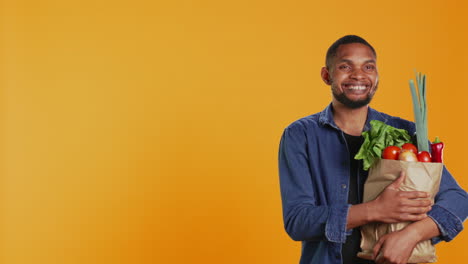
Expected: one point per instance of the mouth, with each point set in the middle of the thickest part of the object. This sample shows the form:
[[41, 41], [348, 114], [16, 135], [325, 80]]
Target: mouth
[[354, 87]]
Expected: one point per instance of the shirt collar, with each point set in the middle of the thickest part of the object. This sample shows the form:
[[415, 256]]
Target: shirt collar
[[326, 117]]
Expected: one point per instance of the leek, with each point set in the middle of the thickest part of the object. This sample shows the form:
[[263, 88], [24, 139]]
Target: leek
[[420, 110]]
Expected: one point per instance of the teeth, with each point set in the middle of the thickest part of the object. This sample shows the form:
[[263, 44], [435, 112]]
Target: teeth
[[357, 87]]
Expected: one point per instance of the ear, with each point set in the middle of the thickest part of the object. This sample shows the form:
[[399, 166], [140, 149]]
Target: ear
[[325, 75]]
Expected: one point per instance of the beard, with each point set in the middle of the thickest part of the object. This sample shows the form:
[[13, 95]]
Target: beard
[[353, 104]]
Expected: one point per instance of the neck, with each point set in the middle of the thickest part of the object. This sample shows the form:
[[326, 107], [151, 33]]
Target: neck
[[350, 121]]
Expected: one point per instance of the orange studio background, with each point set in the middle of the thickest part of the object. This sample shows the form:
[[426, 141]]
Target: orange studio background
[[147, 131]]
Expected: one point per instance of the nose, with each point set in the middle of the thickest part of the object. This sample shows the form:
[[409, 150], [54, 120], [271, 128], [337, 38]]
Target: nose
[[357, 74]]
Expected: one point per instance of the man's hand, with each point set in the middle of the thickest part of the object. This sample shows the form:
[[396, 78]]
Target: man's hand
[[396, 247], [393, 205]]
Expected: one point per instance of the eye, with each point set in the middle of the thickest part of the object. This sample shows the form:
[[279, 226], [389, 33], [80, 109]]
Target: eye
[[344, 67], [369, 67]]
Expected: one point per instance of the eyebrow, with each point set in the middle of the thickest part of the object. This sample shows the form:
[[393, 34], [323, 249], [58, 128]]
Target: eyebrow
[[350, 61]]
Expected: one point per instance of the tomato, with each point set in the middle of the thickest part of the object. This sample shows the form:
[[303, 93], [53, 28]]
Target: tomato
[[391, 152], [407, 155], [424, 156], [410, 147]]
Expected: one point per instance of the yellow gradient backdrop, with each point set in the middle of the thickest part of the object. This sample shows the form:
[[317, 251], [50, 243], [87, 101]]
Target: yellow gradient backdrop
[[147, 131]]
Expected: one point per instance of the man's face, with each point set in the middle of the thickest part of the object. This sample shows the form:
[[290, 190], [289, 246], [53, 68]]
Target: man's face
[[353, 75]]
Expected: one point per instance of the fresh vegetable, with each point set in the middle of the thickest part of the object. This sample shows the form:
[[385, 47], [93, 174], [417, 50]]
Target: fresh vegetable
[[420, 110], [391, 152], [407, 155], [424, 156], [410, 147], [437, 148], [377, 139]]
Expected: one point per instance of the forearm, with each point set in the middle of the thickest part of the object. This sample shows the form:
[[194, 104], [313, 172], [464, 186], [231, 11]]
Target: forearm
[[423, 230], [358, 215]]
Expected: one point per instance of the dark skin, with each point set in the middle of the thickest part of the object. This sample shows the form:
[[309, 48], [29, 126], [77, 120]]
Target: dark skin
[[353, 74]]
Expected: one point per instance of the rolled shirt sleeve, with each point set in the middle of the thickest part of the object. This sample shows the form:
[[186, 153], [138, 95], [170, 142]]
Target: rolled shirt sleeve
[[450, 209], [335, 229]]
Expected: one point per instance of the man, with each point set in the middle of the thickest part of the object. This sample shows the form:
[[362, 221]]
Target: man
[[322, 183]]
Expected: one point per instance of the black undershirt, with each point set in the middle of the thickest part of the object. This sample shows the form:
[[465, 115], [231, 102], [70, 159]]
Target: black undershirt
[[352, 246]]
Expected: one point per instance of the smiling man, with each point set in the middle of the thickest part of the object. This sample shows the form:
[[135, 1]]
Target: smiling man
[[352, 88], [322, 184]]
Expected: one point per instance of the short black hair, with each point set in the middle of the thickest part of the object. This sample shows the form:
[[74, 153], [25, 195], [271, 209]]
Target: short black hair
[[348, 39]]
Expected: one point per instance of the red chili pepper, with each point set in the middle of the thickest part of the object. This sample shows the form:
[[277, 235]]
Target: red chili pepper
[[436, 149]]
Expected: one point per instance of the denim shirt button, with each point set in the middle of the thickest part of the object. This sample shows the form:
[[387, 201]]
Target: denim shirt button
[[343, 186]]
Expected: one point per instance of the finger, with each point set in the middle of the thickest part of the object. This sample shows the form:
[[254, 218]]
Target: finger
[[412, 217], [377, 247], [397, 183], [416, 203], [414, 194], [416, 210], [380, 259]]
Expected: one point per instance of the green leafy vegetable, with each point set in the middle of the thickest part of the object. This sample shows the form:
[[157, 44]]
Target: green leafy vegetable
[[377, 139]]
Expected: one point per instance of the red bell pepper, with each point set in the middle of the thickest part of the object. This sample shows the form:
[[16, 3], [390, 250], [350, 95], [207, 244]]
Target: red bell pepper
[[437, 150]]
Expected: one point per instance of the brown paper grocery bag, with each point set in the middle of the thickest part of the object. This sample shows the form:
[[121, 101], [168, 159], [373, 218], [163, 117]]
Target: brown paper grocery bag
[[420, 176]]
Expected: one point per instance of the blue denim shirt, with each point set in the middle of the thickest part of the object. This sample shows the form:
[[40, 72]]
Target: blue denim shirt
[[314, 178]]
